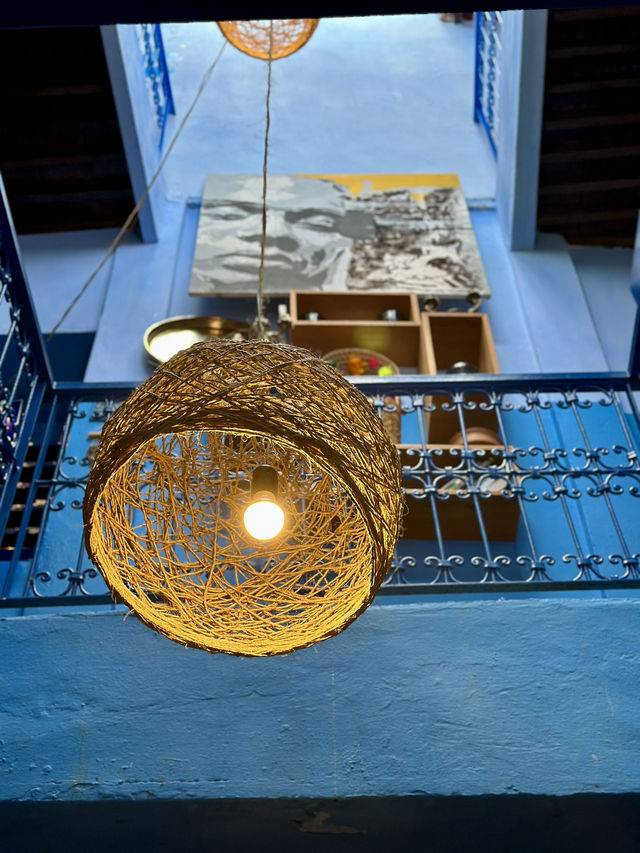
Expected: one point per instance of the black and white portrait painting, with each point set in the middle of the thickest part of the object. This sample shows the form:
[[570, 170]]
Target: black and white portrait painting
[[342, 233]]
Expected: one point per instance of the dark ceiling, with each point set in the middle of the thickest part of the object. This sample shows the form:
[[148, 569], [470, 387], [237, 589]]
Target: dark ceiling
[[61, 154], [40, 14], [589, 184]]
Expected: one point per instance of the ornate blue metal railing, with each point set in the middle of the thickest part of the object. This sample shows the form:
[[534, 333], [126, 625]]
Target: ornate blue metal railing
[[157, 74], [25, 376], [486, 109], [551, 503]]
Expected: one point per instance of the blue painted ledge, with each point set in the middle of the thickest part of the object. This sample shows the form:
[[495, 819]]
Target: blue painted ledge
[[446, 697]]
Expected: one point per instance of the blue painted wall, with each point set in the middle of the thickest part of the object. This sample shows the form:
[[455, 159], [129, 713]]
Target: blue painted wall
[[439, 696], [137, 119]]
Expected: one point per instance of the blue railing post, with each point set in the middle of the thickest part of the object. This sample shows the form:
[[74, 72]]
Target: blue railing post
[[634, 358], [16, 290], [25, 374]]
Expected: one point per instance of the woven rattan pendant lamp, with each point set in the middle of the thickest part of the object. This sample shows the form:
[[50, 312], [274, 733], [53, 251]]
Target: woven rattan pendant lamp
[[264, 39], [171, 481], [223, 429]]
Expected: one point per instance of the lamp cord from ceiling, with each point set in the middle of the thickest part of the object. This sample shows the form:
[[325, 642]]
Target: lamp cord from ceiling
[[131, 218], [263, 233]]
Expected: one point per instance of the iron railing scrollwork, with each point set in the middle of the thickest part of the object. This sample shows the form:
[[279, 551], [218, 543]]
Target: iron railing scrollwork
[[486, 108], [553, 505], [157, 74], [25, 376], [562, 489]]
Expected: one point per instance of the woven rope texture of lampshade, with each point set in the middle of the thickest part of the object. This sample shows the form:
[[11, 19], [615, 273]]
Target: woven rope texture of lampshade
[[253, 37], [171, 479]]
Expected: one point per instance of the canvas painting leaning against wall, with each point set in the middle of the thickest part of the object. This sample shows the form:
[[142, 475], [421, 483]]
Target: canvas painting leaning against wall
[[337, 232]]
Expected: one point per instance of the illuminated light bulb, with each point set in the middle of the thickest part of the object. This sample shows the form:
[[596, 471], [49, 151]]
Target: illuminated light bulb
[[263, 518]]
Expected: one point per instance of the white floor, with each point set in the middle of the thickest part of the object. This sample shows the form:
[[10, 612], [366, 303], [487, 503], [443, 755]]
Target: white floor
[[365, 95]]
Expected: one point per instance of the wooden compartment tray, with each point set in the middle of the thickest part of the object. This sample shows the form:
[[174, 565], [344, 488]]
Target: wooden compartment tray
[[459, 337], [450, 338], [456, 516], [458, 519], [350, 307], [351, 320]]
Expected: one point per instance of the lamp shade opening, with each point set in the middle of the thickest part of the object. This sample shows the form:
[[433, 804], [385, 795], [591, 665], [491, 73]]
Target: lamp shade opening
[[186, 455]]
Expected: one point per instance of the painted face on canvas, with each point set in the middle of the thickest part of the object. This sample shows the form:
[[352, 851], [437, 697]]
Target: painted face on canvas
[[305, 246]]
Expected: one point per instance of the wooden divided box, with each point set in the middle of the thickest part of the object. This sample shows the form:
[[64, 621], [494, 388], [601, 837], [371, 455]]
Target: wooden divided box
[[430, 344], [354, 320], [450, 339], [458, 517]]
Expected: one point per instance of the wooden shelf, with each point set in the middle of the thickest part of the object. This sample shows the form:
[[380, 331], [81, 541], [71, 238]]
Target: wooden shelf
[[352, 307], [449, 338], [458, 520], [428, 343], [460, 337], [351, 320], [401, 342], [457, 516]]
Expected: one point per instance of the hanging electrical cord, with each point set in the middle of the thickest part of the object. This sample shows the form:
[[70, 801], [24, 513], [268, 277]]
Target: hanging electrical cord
[[263, 233], [131, 218]]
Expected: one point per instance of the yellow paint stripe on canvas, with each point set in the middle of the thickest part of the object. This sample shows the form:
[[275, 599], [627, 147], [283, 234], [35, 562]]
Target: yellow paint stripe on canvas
[[356, 183]]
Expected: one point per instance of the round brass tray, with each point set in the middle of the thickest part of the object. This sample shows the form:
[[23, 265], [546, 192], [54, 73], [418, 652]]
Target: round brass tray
[[166, 338]]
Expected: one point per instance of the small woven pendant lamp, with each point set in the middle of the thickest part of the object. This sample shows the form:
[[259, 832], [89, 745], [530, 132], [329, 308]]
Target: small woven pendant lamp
[[172, 477], [255, 38]]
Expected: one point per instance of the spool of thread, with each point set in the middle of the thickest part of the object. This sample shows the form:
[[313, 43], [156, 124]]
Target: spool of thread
[[390, 315], [477, 435], [462, 367]]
